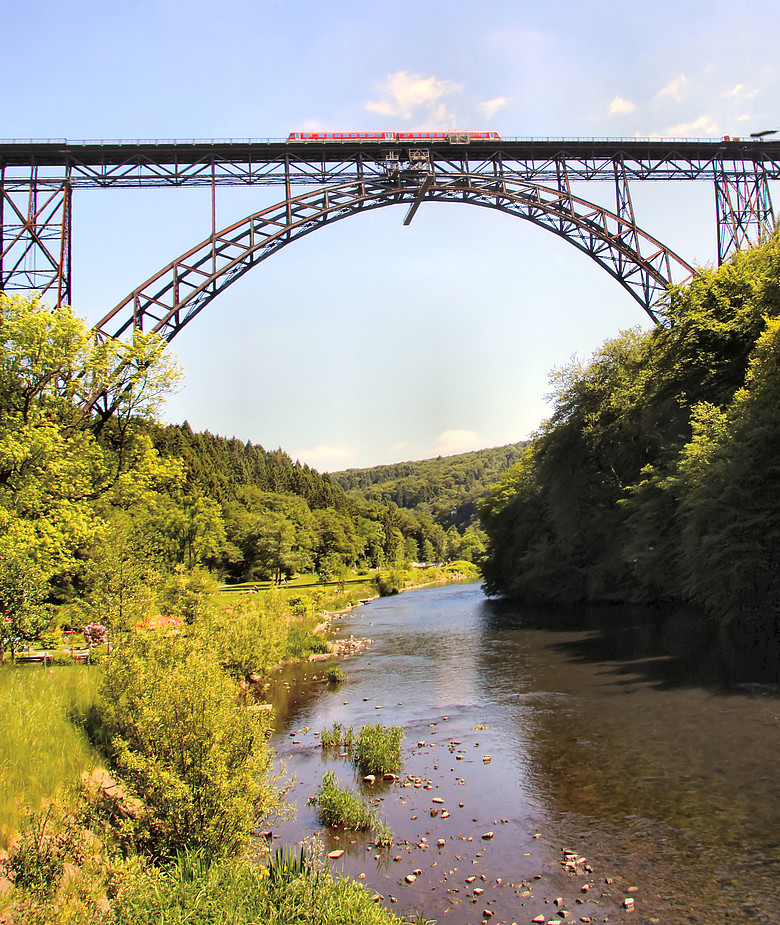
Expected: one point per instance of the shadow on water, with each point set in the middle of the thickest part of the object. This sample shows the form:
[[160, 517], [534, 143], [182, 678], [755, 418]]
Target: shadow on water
[[602, 730], [670, 646]]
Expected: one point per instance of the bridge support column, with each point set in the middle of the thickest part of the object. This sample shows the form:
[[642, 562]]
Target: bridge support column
[[35, 241], [744, 208]]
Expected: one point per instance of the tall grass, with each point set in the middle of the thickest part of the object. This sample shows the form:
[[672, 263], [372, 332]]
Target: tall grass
[[337, 736], [43, 749], [378, 749], [236, 892]]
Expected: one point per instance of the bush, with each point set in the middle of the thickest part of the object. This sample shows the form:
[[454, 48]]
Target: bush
[[196, 759], [38, 859], [335, 675], [391, 582], [301, 641]]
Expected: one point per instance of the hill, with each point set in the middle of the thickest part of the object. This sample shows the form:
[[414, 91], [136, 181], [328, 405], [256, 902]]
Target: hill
[[446, 489]]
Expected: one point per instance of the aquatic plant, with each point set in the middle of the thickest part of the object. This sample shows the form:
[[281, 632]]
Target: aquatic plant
[[338, 807], [378, 749]]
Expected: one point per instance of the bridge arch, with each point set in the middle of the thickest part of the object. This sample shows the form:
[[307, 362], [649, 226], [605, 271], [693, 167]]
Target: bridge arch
[[171, 298]]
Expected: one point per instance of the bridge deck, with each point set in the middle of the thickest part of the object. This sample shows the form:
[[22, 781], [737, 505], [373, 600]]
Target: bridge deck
[[166, 162]]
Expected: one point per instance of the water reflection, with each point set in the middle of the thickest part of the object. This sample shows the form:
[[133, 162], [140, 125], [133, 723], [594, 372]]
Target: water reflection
[[605, 730]]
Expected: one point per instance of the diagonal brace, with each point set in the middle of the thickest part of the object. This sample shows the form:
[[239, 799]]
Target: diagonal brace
[[424, 187]]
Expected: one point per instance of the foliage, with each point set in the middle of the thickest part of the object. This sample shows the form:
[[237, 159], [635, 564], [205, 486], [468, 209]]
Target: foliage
[[239, 892], [446, 488], [391, 582], [197, 760], [338, 807], [378, 749], [335, 674], [22, 591], [56, 456], [254, 633], [38, 858], [656, 476]]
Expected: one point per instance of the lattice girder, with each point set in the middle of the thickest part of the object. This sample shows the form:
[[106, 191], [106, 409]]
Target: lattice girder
[[166, 302]]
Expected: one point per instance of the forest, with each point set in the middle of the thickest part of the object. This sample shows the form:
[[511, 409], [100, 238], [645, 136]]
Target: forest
[[656, 477], [446, 488], [100, 500]]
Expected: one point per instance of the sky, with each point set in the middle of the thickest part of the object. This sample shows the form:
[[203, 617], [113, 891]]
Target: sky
[[370, 342]]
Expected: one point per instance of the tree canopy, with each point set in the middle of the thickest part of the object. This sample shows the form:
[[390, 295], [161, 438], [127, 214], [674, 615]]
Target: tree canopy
[[656, 476]]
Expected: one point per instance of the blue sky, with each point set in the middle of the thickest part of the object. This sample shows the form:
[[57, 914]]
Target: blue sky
[[370, 342]]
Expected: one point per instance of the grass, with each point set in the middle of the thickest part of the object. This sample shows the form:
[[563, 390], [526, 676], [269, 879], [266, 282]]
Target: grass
[[43, 749], [237, 892], [337, 736], [338, 807], [335, 674], [375, 750], [378, 749]]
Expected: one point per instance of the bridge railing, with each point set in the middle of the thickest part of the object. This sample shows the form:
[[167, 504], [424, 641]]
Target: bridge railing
[[262, 141]]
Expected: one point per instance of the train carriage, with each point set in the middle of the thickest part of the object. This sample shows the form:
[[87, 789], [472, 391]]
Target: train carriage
[[398, 137]]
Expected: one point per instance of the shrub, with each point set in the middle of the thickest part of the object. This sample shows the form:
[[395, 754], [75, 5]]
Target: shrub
[[301, 641], [196, 759], [390, 582], [38, 859]]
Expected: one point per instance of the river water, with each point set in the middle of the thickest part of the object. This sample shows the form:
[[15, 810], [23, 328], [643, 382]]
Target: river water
[[556, 732]]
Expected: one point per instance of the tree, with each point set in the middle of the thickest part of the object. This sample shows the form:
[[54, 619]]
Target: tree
[[22, 591]]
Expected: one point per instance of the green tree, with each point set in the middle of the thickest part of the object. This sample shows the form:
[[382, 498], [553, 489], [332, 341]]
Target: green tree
[[22, 592]]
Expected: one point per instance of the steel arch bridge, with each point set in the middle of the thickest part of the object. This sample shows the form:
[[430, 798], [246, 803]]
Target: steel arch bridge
[[528, 178], [171, 298]]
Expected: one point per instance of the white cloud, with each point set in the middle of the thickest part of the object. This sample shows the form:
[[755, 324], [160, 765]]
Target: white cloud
[[675, 88], [621, 107], [324, 453], [704, 125], [411, 96], [740, 93], [491, 107], [456, 441]]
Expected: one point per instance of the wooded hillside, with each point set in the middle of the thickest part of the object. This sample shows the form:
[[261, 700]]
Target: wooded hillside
[[446, 488], [657, 476]]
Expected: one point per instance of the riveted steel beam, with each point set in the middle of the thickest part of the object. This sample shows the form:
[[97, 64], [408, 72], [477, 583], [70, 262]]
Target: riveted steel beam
[[40, 178], [171, 298]]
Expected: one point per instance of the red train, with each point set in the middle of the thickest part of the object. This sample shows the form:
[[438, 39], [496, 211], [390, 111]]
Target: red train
[[404, 137]]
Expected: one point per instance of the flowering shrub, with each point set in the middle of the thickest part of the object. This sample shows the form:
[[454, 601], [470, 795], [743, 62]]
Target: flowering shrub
[[95, 634]]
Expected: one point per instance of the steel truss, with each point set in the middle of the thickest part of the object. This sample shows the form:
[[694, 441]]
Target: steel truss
[[744, 208], [37, 180], [170, 299], [35, 238]]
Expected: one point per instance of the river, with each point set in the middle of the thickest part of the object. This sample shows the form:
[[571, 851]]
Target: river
[[610, 774]]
